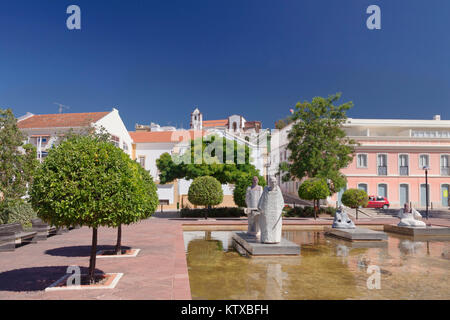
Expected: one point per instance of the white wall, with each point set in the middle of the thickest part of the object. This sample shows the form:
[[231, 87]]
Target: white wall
[[183, 187], [151, 152], [165, 192], [115, 126]]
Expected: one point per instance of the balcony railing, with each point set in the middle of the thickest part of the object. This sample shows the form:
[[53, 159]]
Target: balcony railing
[[404, 170], [445, 171], [382, 170]]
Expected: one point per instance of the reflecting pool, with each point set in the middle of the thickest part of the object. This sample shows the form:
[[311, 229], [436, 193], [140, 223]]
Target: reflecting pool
[[327, 268]]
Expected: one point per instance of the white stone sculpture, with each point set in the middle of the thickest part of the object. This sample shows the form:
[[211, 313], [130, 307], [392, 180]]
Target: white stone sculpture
[[270, 207], [252, 197], [409, 218], [342, 221]]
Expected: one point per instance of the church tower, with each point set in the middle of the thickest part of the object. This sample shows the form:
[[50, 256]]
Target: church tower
[[196, 120]]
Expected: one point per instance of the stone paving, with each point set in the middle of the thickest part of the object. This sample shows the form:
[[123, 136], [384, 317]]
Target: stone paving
[[158, 272]]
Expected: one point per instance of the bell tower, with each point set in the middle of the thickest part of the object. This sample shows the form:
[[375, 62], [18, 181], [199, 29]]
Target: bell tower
[[196, 120]]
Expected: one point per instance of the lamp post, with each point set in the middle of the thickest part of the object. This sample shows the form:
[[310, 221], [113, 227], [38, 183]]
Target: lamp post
[[426, 168]]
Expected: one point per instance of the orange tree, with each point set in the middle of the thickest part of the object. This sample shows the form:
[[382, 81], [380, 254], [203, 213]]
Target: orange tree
[[88, 181]]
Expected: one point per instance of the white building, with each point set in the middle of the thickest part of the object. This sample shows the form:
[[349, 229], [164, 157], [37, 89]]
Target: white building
[[44, 130]]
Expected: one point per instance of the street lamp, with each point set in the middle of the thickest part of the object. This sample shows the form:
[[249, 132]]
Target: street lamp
[[426, 168]]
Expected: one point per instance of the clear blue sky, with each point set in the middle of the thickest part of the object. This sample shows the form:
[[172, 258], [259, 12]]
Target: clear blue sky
[[156, 60]]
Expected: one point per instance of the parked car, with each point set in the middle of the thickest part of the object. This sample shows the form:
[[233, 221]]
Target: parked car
[[378, 202]]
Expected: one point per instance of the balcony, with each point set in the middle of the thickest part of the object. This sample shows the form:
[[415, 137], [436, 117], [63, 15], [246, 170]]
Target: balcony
[[404, 170], [382, 170], [445, 171]]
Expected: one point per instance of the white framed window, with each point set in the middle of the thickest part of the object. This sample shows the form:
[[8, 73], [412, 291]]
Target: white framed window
[[445, 164], [115, 140], [403, 164], [361, 160], [124, 146], [424, 161], [142, 161]]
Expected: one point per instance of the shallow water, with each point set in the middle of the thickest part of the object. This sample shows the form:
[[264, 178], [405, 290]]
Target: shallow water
[[327, 268]]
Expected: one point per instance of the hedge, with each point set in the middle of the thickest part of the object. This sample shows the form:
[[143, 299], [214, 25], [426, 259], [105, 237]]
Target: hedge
[[224, 212]]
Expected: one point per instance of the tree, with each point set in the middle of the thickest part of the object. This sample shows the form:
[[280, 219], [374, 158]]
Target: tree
[[211, 159], [205, 191], [240, 188], [89, 182], [140, 202], [17, 160], [314, 189], [317, 143], [355, 198]]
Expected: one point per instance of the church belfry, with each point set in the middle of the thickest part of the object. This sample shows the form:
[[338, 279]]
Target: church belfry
[[196, 120]]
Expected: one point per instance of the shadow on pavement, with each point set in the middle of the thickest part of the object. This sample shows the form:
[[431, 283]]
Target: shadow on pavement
[[33, 279], [78, 251]]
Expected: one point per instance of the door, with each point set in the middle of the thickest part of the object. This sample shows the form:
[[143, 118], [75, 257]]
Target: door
[[445, 189], [404, 194], [423, 195], [382, 190]]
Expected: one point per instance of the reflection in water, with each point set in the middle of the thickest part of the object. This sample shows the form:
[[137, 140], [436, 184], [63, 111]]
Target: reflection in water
[[327, 268]]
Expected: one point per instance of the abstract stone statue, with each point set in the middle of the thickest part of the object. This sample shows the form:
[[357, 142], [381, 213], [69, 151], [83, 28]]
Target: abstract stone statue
[[252, 197], [342, 221], [408, 218], [270, 207]]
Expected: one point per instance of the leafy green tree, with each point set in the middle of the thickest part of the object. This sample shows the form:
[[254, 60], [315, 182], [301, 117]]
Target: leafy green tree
[[208, 160], [314, 189], [142, 199], [240, 188], [355, 198], [18, 160], [205, 191], [88, 181], [318, 145]]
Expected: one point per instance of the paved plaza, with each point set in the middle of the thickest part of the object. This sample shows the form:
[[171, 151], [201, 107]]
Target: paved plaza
[[158, 272]]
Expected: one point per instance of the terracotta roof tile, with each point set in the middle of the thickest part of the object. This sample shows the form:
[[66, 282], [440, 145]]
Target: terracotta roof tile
[[215, 123], [164, 136], [60, 120]]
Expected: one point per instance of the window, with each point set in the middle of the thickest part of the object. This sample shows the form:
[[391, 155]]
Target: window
[[142, 161], [115, 140], [382, 164], [445, 165], [125, 146], [424, 161], [362, 160], [363, 186], [403, 164]]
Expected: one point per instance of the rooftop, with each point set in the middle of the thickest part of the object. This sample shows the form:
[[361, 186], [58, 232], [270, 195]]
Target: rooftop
[[60, 120]]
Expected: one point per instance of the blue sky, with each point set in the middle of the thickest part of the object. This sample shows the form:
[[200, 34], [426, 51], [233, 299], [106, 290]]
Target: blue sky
[[156, 60]]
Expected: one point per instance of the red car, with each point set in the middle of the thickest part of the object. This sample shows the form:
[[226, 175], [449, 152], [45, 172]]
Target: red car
[[378, 202]]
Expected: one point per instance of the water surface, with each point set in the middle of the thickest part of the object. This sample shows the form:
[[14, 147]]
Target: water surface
[[327, 268]]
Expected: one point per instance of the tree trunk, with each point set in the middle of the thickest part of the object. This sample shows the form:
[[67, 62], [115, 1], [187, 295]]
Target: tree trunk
[[118, 249], [206, 212], [315, 209], [93, 256]]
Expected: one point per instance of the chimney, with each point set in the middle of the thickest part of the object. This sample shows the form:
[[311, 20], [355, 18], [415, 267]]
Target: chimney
[[437, 117]]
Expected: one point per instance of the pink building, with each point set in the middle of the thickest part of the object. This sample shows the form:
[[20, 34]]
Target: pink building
[[391, 158]]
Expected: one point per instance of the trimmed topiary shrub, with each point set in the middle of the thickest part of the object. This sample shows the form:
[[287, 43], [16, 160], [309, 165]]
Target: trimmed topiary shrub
[[18, 211], [355, 198], [314, 189], [205, 191], [90, 182]]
